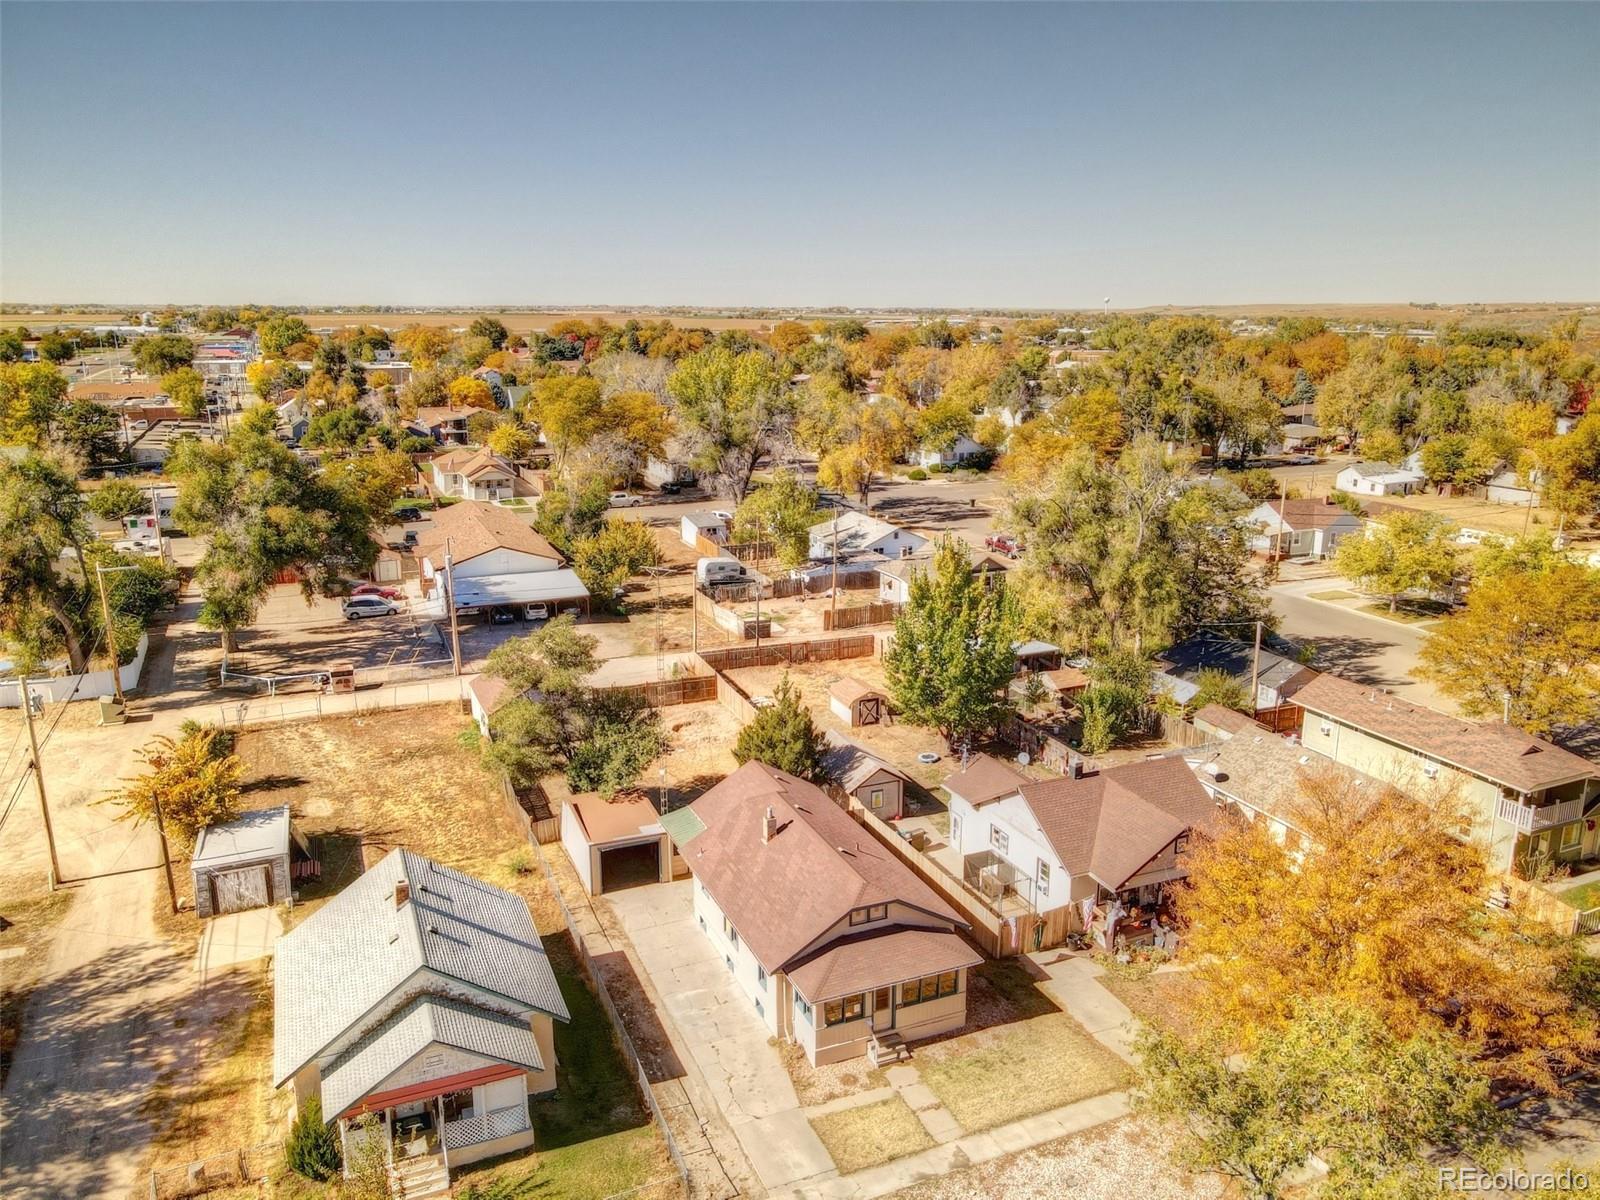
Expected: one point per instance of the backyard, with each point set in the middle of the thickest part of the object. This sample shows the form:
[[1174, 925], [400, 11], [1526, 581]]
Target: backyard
[[359, 786]]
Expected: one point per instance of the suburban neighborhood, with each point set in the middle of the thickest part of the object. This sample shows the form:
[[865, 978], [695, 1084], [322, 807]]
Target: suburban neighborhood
[[814, 751]]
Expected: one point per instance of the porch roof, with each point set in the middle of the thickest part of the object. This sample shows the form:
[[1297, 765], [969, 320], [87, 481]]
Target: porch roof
[[358, 1071], [880, 958]]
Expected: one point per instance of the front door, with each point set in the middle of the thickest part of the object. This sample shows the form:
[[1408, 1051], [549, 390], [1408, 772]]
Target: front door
[[883, 1010]]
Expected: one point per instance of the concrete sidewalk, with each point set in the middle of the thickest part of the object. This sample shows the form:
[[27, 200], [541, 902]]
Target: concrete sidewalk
[[1074, 984], [234, 938]]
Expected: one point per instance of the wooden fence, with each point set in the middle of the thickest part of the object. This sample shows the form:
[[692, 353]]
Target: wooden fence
[[540, 826], [1285, 718], [857, 615], [1181, 732], [821, 581], [733, 698], [861, 645], [663, 693]]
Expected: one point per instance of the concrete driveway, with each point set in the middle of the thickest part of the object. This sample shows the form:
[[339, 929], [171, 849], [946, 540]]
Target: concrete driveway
[[729, 1043], [234, 938]]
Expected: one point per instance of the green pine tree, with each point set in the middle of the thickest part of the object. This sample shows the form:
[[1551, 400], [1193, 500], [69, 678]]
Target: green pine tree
[[783, 736]]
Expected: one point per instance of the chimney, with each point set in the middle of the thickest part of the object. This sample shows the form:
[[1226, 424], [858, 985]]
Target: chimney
[[1076, 768], [769, 825], [402, 892]]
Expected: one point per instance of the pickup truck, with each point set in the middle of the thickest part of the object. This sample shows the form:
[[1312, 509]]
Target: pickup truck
[[1003, 543]]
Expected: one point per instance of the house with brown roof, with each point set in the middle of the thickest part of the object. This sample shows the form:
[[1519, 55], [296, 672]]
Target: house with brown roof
[[1530, 799], [1059, 845], [879, 785], [837, 945], [495, 559], [444, 423], [473, 474], [1300, 528]]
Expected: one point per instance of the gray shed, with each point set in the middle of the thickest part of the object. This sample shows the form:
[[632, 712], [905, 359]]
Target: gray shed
[[244, 863]]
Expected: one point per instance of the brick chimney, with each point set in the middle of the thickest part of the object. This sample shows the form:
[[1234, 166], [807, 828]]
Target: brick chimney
[[402, 892], [769, 825]]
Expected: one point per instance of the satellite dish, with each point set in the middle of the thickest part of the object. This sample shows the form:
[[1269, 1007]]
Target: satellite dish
[[1023, 759]]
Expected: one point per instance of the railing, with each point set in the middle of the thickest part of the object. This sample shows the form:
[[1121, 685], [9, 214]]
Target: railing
[[1528, 819], [502, 1122], [1587, 921]]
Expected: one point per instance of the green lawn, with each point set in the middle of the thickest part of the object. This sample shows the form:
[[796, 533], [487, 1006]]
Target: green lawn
[[871, 1134], [1335, 594], [1015, 1071], [1584, 896]]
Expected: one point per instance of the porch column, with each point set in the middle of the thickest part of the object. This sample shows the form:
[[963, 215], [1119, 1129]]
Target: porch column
[[444, 1147]]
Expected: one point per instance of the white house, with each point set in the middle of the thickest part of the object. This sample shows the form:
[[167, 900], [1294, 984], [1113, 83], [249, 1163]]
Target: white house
[[1300, 528], [835, 944], [421, 996], [479, 474], [963, 449], [1061, 845], [713, 525], [1507, 488], [1378, 479], [855, 533], [496, 559]]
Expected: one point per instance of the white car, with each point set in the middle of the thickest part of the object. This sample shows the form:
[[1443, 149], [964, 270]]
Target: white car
[[537, 611], [357, 607], [625, 500]]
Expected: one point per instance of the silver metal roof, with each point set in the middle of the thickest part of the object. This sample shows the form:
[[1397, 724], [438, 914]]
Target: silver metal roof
[[249, 837]]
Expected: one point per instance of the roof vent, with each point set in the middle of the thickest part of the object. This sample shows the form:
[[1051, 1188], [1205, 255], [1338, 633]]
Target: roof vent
[[769, 824], [402, 892]]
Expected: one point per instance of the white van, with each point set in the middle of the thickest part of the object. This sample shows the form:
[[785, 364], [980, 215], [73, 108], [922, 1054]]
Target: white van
[[720, 570], [357, 607]]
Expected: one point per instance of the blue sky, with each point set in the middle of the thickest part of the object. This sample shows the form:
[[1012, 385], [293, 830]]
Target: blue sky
[[885, 154]]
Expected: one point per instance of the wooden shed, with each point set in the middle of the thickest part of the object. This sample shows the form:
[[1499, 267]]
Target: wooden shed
[[857, 703], [246, 862], [615, 843], [877, 783]]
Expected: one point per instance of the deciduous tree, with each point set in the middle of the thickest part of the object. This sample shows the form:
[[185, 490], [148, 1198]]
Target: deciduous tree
[[1401, 552], [781, 513], [733, 408], [194, 779]]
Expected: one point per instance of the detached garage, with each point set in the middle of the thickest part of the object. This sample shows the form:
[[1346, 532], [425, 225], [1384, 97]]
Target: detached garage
[[615, 843], [245, 863]]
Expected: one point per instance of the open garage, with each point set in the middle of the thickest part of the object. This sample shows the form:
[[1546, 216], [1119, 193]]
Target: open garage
[[615, 843]]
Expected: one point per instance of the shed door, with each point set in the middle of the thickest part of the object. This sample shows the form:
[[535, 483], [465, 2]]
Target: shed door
[[242, 889]]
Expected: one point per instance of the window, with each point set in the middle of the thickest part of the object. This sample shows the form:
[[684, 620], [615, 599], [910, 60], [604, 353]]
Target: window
[[929, 987], [999, 839], [1325, 729], [727, 962], [458, 1105], [1044, 878], [1180, 843], [803, 1008], [702, 924], [729, 932], [955, 832], [875, 797], [838, 1012], [761, 977], [1570, 835], [760, 1012], [874, 912]]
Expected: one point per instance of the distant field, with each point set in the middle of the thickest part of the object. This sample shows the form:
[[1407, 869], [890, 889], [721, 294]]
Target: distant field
[[1517, 316]]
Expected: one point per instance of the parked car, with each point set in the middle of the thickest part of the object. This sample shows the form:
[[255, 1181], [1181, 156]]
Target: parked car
[[1003, 543], [411, 537], [408, 514], [501, 616], [357, 607], [537, 611], [670, 488], [625, 500], [376, 589]]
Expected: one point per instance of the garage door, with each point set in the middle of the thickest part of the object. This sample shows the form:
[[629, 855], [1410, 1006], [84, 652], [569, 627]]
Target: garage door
[[630, 866], [238, 890]]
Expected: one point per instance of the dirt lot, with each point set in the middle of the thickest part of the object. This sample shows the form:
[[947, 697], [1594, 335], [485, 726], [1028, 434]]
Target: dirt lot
[[898, 743], [702, 750], [290, 638], [1480, 514]]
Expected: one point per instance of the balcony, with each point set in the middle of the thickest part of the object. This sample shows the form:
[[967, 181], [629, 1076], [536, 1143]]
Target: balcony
[[1525, 818]]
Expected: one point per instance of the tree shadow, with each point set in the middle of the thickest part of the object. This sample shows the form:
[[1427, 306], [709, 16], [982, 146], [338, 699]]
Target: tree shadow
[[272, 783], [1354, 658]]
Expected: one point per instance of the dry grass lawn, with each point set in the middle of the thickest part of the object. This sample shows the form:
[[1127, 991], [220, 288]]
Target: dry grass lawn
[[871, 1134], [1166, 999], [833, 1081]]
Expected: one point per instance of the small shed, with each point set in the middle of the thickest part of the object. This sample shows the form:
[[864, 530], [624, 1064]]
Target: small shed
[[856, 703], [1064, 682], [858, 772], [1036, 656], [615, 843], [245, 863]]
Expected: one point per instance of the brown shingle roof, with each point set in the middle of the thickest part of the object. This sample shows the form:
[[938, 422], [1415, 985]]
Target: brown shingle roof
[[474, 527], [1495, 751], [1261, 769], [1111, 823], [848, 689], [472, 462], [983, 779], [879, 959], [1309, 514], [615, 819], [783, 894], [851, 764]]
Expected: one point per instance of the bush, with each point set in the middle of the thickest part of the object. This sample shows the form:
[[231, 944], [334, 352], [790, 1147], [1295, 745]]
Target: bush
[[916, 473], [313, 1148]]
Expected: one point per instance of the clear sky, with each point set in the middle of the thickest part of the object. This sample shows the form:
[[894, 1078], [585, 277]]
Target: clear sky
[[960, 155]]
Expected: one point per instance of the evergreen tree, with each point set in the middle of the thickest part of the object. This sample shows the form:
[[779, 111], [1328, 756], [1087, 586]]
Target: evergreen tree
[[783, 736]]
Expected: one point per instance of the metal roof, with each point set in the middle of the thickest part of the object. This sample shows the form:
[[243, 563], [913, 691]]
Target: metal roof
[[358, 1071], [249, 837], [334, 970]]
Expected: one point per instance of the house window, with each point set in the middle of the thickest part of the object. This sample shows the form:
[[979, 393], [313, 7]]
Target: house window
[[1044, 878], [874, 912], [760, 1012], [1325, 729], [839, 1012], [999, 839], [729, 932], [1570, 835], [803, 1009], [955, 831], [761, 977], [876, 797], [1180, 843], [702, 924], [728, 962], [458, 1105], [929, 987]]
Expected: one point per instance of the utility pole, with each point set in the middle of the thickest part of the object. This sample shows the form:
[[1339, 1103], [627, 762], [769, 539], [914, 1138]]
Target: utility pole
[[450, 600], [38, 782], [166, 857], [111, 631], [833, 590], [1255, 669], [758, 622]]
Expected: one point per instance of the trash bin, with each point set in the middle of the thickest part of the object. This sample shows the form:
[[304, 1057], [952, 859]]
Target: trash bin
[[112, 711]]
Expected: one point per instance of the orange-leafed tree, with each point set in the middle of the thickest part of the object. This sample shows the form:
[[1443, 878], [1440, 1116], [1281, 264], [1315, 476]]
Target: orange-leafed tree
[[1379, 902]]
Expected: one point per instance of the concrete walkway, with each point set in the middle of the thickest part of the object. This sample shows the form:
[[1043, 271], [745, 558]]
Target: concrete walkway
[[234, 938], [1074, 984], [728, 1042]]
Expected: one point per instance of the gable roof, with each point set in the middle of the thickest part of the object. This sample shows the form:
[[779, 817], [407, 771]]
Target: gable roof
[[1382, 470], [1204, 651], [1490, 749], [1257, 767], [983, 779], [263, 833], [430, 416], [847, 689], [867, 960], [334, 968], [1306, 514], [472, 462], [783, 894], [476, 527], [358, 1070], [856, 531], [851, 764], [1109, 824]]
